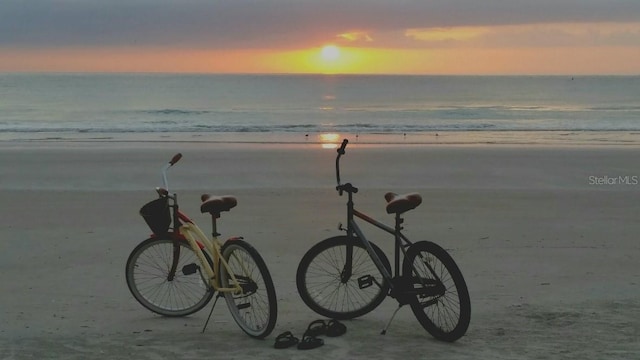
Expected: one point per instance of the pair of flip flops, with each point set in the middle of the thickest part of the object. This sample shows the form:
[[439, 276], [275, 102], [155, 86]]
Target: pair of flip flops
[[310, 339], [332, 328]]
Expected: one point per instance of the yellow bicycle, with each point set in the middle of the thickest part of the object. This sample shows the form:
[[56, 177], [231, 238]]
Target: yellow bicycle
[[177, 271]]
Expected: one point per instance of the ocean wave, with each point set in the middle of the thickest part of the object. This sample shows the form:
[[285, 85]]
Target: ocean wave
[[362, 128], [615, 108], [180, 112]]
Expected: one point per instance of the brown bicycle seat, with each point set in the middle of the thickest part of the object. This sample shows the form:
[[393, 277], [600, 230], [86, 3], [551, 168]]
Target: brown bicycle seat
[[217, 204], [397, 204]]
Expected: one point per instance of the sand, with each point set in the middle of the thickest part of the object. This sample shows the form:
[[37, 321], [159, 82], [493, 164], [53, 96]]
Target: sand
[[546, 237]]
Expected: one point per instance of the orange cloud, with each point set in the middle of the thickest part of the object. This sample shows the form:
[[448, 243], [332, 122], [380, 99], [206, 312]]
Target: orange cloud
[[529, 35], [446, 34], [355, 36]]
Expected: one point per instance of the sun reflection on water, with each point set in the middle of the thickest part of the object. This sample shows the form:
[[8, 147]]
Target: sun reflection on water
[[329, 140]]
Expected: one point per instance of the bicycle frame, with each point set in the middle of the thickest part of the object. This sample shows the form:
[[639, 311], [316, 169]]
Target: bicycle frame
[[186, 229], [401, 241]]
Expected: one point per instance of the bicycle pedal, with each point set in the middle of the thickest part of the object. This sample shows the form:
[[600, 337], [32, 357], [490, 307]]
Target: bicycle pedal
[[190, 269], [365, 281]]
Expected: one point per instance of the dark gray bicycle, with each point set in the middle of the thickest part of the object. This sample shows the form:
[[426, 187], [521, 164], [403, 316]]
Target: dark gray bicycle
[[347, 276]]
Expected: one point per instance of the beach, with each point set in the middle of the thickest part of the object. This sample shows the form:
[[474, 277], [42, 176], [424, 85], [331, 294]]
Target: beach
[[546, 237]]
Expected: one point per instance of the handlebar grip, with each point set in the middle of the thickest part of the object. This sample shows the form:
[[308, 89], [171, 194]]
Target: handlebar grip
[[175, 159], [343, 146]]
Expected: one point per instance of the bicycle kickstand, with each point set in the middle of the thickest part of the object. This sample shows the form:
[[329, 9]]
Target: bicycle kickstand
[[384, 331], [211, 312]]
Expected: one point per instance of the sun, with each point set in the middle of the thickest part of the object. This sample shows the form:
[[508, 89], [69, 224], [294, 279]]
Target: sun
[[330, 53]]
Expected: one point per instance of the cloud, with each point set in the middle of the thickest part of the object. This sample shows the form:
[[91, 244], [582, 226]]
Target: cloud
[[355, 37], [225, 24], [438, 34], [517, 36]]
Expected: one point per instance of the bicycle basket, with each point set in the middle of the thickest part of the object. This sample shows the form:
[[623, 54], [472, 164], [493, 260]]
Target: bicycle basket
[[156, 215]]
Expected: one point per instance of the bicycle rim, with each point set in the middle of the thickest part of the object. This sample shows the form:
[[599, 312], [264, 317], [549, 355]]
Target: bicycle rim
[[148, 279], [445, 315], [255, 309]]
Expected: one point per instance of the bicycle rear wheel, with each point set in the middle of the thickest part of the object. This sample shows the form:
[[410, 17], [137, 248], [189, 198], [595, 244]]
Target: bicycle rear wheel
[[444, 310], [327, 289], [150, 280], [255, 309]]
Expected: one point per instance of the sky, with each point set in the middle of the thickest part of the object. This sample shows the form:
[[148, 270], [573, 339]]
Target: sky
[[485, 37]]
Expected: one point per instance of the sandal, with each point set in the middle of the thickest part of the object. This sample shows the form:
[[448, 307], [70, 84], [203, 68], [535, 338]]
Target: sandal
[[285, 340], [309, 341], [335, 328], [316, 328]]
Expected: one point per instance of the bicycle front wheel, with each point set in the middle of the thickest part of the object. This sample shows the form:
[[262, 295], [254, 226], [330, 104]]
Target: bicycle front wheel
[[327, 285], [255, 309], [164, 276], [442, 304]]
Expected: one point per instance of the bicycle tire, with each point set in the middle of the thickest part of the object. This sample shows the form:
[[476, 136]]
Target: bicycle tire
[[321, 287], [256, 309], [445, 316], [147, 274]]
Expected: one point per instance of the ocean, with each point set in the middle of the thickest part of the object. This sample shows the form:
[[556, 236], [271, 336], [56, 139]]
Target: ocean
[[293, 108]]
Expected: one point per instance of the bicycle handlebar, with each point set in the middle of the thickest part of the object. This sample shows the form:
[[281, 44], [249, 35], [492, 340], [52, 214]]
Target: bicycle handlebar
[[175, 159], [343, 146], [346, 187], [172, 162], [340, 153]]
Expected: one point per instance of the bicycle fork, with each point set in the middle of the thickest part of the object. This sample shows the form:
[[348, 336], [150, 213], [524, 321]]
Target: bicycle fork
[[174, 263]]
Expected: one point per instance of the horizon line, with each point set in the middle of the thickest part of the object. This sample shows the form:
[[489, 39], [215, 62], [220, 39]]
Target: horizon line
[[575, 75]]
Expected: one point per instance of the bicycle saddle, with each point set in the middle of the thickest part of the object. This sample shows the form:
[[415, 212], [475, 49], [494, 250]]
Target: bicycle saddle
[[216, 204], [397, 204]]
